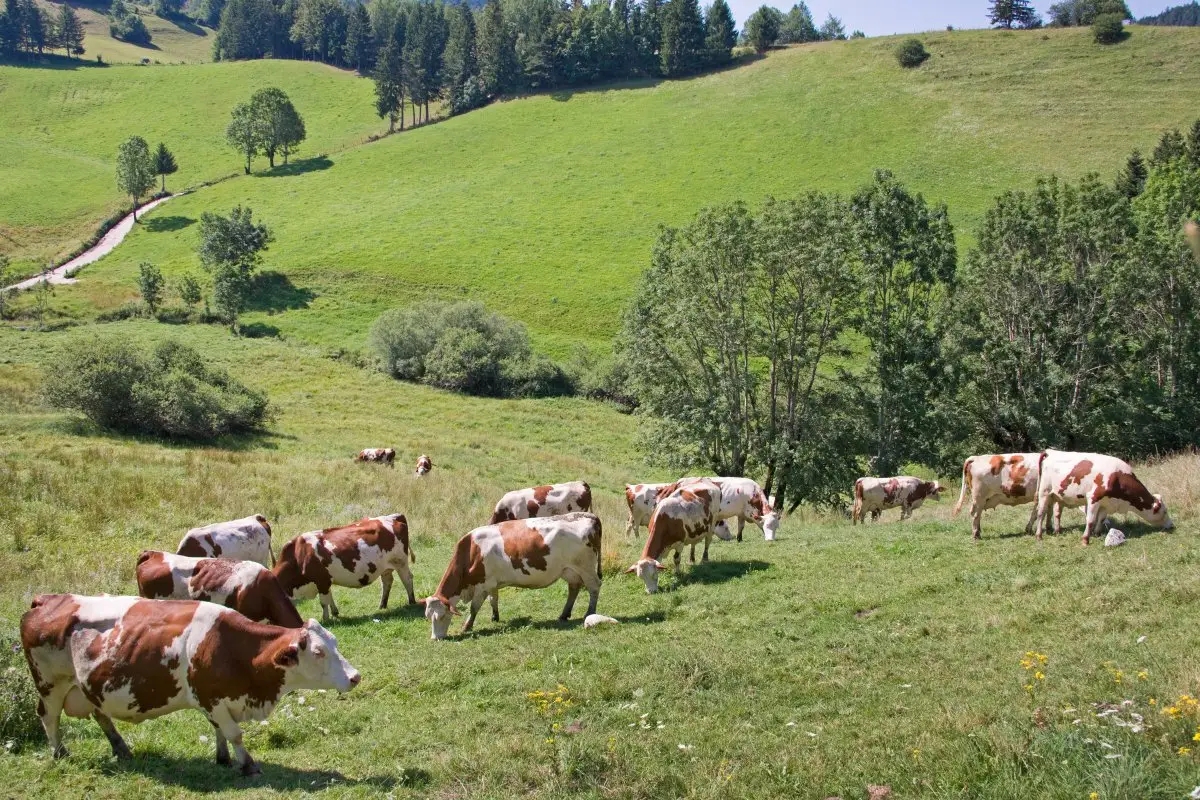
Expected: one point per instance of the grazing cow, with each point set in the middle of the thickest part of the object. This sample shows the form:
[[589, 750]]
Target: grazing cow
[[1006, 479], [684, 517], [543, 501], [741, 498], [134, 659], [247, 587], [246, 539], [353, 555], [377, 455], [876, 495], [424, 466], [641, 499], [1102, 484], [530, 554]]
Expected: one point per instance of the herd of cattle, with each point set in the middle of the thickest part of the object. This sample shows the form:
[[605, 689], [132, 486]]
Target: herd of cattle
[[215, 627]]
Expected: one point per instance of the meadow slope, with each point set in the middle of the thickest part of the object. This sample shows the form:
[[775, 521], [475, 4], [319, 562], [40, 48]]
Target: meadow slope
[[546, 207], [835, 657]]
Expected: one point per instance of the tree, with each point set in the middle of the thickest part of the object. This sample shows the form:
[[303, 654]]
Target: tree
[[1171, 146], [281, 127], [69, 30], [11, 29], [1013, 14], [164, 164], [460, 64], [168, 8], [798, 26], [1132, 179], [245, 30], [188, 289], [911, 53], [832, 29], [720, 33], [125, 24], [150, 285], [245, 132], [231, 249], [360, 41], [135, 169], [389, 82], [320, 27], [1192, 145], [762, 28], [208, 12], [1108, 29], [682, 38], [496, 47]]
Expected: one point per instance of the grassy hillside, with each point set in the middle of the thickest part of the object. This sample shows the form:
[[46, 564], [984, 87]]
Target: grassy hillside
[[177, 41], [837, 657], [546, 207], [61, 128]]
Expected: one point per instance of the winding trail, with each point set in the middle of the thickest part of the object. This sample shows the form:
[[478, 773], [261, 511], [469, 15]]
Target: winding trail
[[62, 273]]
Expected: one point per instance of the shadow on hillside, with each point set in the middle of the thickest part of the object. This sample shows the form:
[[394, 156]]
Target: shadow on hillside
[[520, 623], [204, 775], [720, 571], [563, 94], [167, 224], [235, 443], [259, 330], [187, 24], [273, 291], [52, 61], [314, 164]]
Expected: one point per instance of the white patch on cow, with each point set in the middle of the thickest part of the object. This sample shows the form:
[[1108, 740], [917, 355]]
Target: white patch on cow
[[240, 540]]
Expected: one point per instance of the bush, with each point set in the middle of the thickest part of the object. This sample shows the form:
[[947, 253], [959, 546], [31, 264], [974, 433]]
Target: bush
[[19, 723], [911, 53], [129, 28], [169, 391], [1108, 28], [465, 348]]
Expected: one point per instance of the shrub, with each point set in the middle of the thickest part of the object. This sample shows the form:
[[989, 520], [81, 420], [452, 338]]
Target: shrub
[[911, 53], [1108, 28], [150, 285], [19, 723], [129, 27], [169, 391]]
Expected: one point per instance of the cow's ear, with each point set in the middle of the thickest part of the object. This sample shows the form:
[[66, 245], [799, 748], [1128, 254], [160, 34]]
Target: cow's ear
[[288, 656], [659, 565], [632, 570], [302, 639]]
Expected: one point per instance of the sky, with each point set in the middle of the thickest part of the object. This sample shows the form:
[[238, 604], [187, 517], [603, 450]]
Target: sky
[[884, 17]]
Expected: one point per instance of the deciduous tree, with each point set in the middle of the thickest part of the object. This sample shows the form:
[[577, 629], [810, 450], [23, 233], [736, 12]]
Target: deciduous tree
[[231, 249], [135, 170], [245, 133]]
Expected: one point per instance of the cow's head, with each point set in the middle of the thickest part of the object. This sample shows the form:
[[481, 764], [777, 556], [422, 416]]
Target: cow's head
[[1157, 515], [935, 490], [311, 661], [647, 569], [439, 610], [722, 532]]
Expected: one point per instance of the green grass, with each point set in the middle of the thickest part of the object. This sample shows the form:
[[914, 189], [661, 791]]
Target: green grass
[[61, 128], [172, 41], [546, 207], [837, 657]]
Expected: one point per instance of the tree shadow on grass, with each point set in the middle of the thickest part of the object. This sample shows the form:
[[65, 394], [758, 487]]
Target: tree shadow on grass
[[52, 61], [205, 775], [403, 610], [233, 442], [524, 622], [273, 291], [720, 571], [565, 93], [259, 330], [167, 224], [314, 164]]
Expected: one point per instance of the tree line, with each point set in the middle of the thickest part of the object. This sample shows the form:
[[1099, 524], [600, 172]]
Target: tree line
[[768, 26], [1184, 15], [824, 335], [27, 29]]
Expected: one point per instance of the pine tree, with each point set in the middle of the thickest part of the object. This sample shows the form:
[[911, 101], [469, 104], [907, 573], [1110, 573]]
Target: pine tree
[[460, 64], [1013, 14], [720, 34], [1193, 145], [10, 29], [496, 48], [69, 30], [389, 79], [164, 164], [33, 27], [682, 38], [1132, 179], [360, 40], [1170, 147]]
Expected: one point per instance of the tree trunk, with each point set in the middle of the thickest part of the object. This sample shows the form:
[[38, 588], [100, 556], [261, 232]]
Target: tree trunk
[[164, 183], [135, 204]]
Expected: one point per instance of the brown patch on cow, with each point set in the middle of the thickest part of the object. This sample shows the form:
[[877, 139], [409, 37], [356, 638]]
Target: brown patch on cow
[[48, 623], [922, 490], [1017, 474], [630, 496], [191, 547], [154, 578], [1076, 475], [265, 599], [133, 654], [585, 499], [501, 514], [995, 464], [541, 493], [525, 547], [263, 521], [211, 575], [300, 564], [240, 658], [665, 531], [1125, 486], [464, 570], [891, 490]]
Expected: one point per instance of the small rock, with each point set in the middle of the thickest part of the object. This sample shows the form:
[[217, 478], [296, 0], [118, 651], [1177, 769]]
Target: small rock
[[592, 620], [878, 792], [1114, 538]]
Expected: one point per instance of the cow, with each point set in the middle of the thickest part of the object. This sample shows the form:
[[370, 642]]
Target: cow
[[246, 539], [684, 517], [876, 495], [1102, 484], [134, 659], [377, 455], [353, 555], [424, 466], [247, 587], [543, 501], [741, 498], [530, 554], [1004, 479], [641, 499]]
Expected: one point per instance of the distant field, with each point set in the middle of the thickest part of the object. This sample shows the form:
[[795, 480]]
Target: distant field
[[60, 128], [835, 658], [171, 41]]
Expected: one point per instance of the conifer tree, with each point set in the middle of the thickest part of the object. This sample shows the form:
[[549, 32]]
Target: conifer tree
[[682, 38], [389, 79], [496, 48], [164, 164], [1013, 14], [69, 31], [1132, 179], [360, 39], [720, 34]]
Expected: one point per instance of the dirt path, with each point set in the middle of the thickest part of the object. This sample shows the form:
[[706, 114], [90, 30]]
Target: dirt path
[[62, 274]]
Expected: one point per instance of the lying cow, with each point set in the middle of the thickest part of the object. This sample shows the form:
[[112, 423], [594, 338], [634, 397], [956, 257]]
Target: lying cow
[[543, 501], [1102, 484], [352, 556], [424, 466], [1006, 479], [134, 659], [641, 499], [684, 517], [246, 539], [377, 455], [530, 554], [247, 587], [876, 495], [741, 498]]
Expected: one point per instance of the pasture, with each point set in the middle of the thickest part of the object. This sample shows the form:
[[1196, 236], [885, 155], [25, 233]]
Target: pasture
[[834, 658], [547, 207]]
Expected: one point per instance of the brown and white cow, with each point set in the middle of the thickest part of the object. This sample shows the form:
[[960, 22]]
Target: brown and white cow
[[424, 466], [543, 501], [1102, 484], [353, 556], [246, 539], [134, 659], [876, 495], [247, 587], [684, 517], [530, 554], [641, 499], [742, 499], [1003, 479], [377, 455]]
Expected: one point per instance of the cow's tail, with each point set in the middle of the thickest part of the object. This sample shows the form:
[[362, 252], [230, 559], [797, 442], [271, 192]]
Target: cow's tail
[[856, 514], [599, 549], [144, 556], [966, 485]]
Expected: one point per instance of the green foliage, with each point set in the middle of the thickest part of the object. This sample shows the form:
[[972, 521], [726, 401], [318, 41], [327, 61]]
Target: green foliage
[[150, 285], [164, 164], [6, 276], [188, 289], [135, 169], [389, 82], [911, 53], [1132, 178], [1084, 12], [1171, 146], [798, 26], [832, 29], [320, 28], [682, 38], [720, 33], [126, 25], [763, 27], [360, 39], [19, 722], [69, 31], [245, 133], [231, 249], [1013, 14], [279, 125], [496, 47], [245, 29], [168, 391], [1108, 29], [168, 8], [1186, 14]]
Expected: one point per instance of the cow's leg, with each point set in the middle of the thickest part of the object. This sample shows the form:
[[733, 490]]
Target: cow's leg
[[708, 539], [385, 579], [741, 524], [592, 581], [976, 519], [224, 722], [50, 708], [328, 607], [1093, 517], [495, 595], [692, 553], [476, 604], [407, 579], [572, 592], [1042, 510], [222, 745], [119, 748], [630, 525], [1032, 519], [679, 555]]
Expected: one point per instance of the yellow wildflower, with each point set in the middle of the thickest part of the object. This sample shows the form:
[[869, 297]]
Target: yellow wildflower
[[1039, 675], [1196, 735], [1094, 796], [1041, 658], [1143, 675], [1153, 702], [1185, 751]]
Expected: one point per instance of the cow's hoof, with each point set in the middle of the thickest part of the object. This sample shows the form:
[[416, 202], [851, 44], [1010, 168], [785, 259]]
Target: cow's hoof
[[495, 617], [250, 769], [223, 759], [412, 601], [122, 753]]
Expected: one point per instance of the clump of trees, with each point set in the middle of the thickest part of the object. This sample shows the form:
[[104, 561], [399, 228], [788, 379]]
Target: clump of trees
[[1080, 13], [166, 391], [26, 30], [465, 348], [268, 124], [230, 251], [1011, 14], [1108, 29], [911, 53], [125, 23], [768, 27], [1187, 14], [137, 168]]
